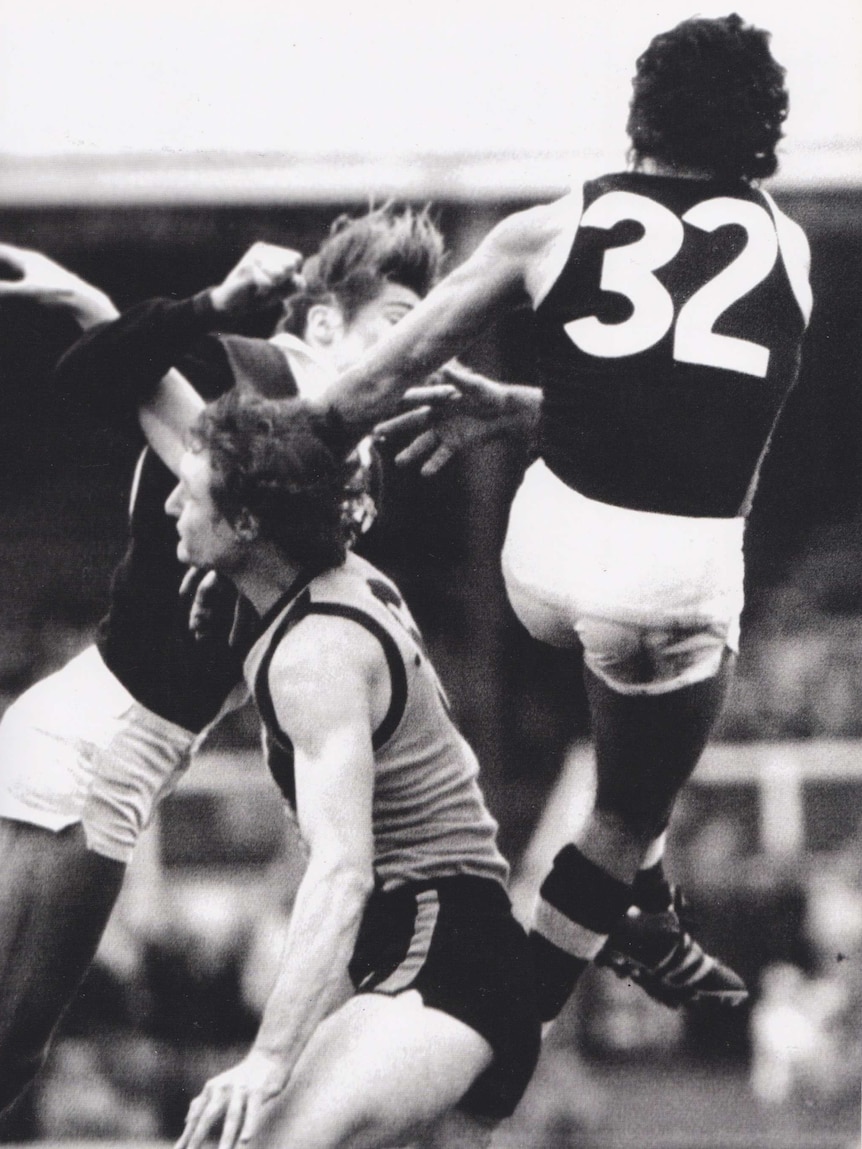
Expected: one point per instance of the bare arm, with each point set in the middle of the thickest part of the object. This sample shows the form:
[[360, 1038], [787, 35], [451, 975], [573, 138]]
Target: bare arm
[[323, 689], [459, 410], [489, 284], [47, 283]]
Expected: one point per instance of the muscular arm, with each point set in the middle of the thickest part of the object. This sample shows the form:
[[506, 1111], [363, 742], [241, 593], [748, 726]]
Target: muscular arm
[[489, 284], [322, 690], [325, 683]]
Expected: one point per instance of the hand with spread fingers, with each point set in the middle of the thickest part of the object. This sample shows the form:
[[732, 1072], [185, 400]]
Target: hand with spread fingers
[[41, 280], [264, 275], [458, 409], [236, 1099]]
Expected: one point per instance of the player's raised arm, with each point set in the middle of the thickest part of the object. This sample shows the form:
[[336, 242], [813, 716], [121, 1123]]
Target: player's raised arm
[[331, 733], [130, 364], [41, 280], [487, 285]]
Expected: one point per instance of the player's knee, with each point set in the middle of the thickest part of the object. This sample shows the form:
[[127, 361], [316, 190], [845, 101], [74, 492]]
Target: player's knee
[[331, 1123], [458, 1130]]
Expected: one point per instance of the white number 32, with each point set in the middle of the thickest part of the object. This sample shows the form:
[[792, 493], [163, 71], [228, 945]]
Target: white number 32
[[628, 271]]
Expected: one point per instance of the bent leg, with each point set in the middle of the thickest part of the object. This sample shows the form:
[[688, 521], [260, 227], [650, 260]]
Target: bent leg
[[381, 1071], [55, 899], [647, 747]]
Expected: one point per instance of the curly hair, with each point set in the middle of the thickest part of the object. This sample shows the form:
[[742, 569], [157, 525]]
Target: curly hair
[[282, 463], [709, 95], [361, 255]]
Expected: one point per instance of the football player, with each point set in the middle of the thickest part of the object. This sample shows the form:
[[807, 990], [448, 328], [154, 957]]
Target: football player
[[87, 753], [670, 303]]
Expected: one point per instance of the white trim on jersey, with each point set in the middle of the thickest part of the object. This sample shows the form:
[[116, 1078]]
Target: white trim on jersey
[[563, 220], [312, 373], [796, 254], [136, 480]]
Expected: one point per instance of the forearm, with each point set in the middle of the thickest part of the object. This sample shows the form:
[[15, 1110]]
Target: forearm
[[521, 409], [364, 395], [118, 365], [88, 308], [320, 942]]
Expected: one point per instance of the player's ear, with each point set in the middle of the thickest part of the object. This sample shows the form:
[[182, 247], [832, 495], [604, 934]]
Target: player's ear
[[323, 324], [246, 526]]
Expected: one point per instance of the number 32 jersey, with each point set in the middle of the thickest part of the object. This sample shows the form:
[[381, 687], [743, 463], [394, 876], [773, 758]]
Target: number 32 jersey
[[670, 315]]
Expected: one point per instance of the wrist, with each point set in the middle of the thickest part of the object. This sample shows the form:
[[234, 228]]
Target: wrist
[[92, 307], [218, 299]]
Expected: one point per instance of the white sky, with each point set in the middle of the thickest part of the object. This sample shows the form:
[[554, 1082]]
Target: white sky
[[326, 77]]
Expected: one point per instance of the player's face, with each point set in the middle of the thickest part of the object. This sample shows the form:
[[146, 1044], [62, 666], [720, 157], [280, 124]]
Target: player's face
[[206, 538], [370, 323]]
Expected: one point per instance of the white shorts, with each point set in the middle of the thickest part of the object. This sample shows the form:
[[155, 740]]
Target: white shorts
[[655, 600], [76, 747]]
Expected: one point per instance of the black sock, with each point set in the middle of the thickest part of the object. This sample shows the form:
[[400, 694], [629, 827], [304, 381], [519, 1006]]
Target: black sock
[[557, 975], [578, 894], [652, 890]]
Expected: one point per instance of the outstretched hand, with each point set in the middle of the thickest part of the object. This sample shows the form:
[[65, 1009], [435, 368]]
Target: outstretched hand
[[236, 1098], [43, 281], [459, 409], [264, 275]]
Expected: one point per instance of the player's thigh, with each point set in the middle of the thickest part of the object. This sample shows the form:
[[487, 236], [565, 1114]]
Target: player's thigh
[[55, 899], [377, 1072]]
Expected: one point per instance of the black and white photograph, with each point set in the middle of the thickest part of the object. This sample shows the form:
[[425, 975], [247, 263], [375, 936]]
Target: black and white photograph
[[431, 567]]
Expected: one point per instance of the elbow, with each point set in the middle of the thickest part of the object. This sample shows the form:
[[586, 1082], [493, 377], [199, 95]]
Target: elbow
[[357, 877], [348, 878]]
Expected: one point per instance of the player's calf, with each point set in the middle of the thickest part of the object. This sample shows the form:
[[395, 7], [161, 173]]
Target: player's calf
[[577, 907]]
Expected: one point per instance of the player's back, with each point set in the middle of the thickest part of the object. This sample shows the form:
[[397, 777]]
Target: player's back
[[429, 816], [670, 314]]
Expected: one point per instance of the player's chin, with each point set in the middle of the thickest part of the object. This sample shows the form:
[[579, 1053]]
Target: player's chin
[[184, 554]]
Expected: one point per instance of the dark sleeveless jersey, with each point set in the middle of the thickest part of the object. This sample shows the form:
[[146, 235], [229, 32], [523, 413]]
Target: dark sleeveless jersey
[[144, 638], [429, 816], [670, 315]]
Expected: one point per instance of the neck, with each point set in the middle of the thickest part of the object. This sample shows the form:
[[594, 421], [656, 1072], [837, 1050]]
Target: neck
[[650, 166], [267, 579]]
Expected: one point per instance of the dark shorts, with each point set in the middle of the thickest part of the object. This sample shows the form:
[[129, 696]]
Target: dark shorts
[[456, 942]]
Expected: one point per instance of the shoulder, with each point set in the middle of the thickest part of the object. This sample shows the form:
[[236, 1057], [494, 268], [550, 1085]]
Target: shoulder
[[526, 234], [546, 235], [796, 253], [790, 233], [323, 656]]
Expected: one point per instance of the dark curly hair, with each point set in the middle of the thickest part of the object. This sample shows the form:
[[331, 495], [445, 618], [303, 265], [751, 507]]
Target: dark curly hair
[[281, 462], [361, 255], [708, 95]]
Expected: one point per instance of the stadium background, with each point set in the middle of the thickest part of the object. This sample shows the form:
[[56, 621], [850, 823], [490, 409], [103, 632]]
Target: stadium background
[[768, 839]]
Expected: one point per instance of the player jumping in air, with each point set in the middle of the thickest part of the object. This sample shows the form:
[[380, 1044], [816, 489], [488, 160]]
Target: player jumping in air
[[670, 302]]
